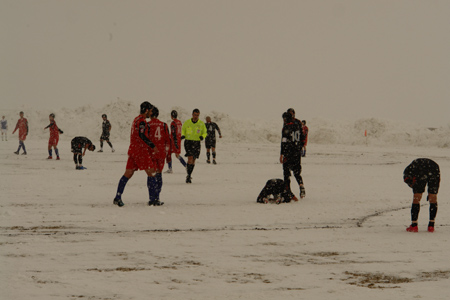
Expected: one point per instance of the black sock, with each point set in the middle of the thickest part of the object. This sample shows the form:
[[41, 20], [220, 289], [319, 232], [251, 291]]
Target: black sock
[[214, 155], [101, 144], [415, 208], [189, 169], [433, 212], [80, 159], [75, 158], [208, 155]]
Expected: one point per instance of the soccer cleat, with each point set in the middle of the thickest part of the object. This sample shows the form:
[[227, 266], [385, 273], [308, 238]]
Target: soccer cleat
[[100, 150], [412, 228], [208, 161], [24, 153], [430, 228], [17, 152], [82, 168], [302, 192], [77, 167], [49, 157], [169, 171], [294, 198], [214, 162], [155, 203], [57, 158], [188, 179], [113, 150], [118, 202]]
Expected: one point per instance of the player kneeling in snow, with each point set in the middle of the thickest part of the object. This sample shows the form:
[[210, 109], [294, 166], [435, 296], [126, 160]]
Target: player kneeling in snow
[[417, 175], [275, 188], [78, 143]]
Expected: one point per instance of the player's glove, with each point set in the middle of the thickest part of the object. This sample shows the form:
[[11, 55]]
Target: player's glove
[[201, 138], [182, 137], [60, 131]]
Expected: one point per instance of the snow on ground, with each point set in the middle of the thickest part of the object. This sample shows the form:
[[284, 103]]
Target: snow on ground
[[62, 238]]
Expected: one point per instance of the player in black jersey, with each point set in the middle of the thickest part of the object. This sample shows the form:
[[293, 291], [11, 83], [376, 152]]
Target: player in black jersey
[[417, 175], [275, 188], [78, 143], [106, 130], [210, 141], [299, 123], [290, 154]]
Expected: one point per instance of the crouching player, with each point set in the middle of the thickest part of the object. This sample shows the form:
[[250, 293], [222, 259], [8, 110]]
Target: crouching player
[[417, 175], [274, 190], [78, 144], [158, 133]]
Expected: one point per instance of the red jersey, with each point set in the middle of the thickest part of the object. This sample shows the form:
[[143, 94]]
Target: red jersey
[[22, 125], [175, 135], [159, 134], [139, 142], [54, 130]]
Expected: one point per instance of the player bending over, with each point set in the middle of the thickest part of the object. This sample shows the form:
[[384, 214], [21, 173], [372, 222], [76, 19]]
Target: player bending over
[[290, 154], [274, 190], [210, 141], [194, 131], [54, 137], [175, 141], [417, 175], [79, 146], [139, 155], [106, 131], [22, 125], [159, 134]]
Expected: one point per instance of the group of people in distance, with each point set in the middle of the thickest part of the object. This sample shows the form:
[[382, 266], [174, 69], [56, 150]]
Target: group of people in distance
[[151, 144], [293, 143]]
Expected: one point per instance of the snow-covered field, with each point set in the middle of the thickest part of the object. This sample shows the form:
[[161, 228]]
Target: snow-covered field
[[62, 238]]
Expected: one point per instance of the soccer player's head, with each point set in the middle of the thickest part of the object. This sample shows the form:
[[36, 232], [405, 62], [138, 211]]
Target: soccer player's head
[[174, 114], [91, 147], [195, 114], [304, 122], [292, 112], [21, 114], [51, 116], [104, 117], [146, 108], [208, 119], [155, 112], [287, 117]]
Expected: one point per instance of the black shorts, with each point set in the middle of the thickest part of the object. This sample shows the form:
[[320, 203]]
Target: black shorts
[[433, 180], [104, 137], [192, 148], [292, 164], [210, 143]]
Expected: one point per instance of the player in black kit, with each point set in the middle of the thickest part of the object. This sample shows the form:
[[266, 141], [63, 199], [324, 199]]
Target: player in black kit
[[417, 175], [106, 130], [78, 143], [275, 188], [290, 154], [210, 141]]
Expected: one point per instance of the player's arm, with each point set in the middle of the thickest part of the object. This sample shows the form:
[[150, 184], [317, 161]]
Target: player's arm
[[203, 132], [218, 130], [183, 130], [142, 135], [284, 143], [109, 126], [17, 127], [49, 125], [26, 125], [173, 130]]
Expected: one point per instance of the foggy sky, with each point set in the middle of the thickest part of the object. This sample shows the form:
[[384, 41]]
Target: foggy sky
[[249, 58]]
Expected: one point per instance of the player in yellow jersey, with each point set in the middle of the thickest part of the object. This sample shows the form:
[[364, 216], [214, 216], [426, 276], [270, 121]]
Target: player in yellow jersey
[[193, 131]]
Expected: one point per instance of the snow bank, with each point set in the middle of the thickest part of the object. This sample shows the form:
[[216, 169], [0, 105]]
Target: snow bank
[[86, 121]]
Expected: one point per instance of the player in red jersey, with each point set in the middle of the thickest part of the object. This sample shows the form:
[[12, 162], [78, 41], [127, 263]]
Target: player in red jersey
[[175, 141], [54, 137], [22, 125], [158, 133], [139, 155]]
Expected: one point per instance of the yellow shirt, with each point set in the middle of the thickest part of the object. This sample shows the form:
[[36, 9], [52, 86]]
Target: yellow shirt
[[193, 131]]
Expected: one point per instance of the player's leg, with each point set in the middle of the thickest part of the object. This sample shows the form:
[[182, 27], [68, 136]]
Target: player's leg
[[24, 149], [297, 170], [180, 158], [75, 159], [101, 144], [213, 148], [433, 189], [208, 152], [415, 209], [80, 161], [169, 162], [287, 180], [56, 150], [50, 154]]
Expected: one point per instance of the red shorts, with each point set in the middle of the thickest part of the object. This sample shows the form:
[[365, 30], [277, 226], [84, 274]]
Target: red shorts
[[140, 162], [53, 141], [159, 164]]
